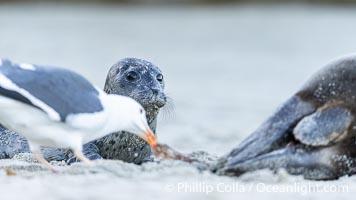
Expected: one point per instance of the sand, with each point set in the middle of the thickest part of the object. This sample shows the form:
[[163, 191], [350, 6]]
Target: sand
[[227, 68], [159, 180]]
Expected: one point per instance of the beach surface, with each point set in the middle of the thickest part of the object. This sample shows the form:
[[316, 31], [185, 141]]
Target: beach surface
[[226, 68]]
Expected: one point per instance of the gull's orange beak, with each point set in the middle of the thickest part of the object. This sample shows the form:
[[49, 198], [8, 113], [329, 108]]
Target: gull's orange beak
[[150, 138]]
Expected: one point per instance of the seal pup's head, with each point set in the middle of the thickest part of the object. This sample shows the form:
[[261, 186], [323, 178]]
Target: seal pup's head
[[138, 79]]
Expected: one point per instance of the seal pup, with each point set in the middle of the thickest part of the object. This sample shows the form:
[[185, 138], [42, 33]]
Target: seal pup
[[311, 134], [144, 82], [43, 104]]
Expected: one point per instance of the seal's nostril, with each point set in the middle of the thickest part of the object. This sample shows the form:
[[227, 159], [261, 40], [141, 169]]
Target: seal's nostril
[[158, 97], [155, 91]]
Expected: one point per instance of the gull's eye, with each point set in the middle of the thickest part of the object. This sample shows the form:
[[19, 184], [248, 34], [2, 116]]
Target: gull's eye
[[141, 111], [131, 76], [159, 77]]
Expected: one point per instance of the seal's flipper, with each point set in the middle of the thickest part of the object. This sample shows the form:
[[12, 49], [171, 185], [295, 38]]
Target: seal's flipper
[[272, 134], [90, 151], [274, 160], [312, 164], [324, 127]]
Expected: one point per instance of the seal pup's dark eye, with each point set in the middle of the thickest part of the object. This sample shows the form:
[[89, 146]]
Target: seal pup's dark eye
[[131, 76], [159, 77]]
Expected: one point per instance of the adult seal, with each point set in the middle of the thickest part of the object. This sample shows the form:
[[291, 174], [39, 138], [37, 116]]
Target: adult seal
[[312, 134], [136, 78]]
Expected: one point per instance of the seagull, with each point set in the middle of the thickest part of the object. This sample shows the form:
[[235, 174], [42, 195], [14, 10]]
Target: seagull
[[56, 107]]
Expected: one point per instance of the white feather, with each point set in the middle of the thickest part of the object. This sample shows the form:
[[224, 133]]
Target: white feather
[[27, 66], [8, 84], [36, 126], [89, 120]]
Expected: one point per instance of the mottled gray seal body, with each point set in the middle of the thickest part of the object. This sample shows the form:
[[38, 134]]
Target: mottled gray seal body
[[131, 77], [312, 134], [12, 143], [142, 81]]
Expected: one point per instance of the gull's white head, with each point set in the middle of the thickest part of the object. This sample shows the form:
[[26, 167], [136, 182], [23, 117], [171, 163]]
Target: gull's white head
[[126, 114]]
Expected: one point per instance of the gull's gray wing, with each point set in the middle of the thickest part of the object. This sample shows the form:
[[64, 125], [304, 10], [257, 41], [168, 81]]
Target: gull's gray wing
[[58, 92]]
